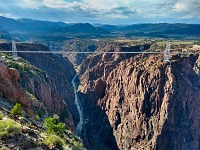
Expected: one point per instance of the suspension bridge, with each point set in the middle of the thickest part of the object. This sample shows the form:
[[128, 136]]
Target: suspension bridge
[[166, 53]]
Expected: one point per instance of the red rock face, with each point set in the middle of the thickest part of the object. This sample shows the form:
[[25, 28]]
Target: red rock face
[[16, 86], [58, 68], [147, 105], [56, 90], [10, 89]]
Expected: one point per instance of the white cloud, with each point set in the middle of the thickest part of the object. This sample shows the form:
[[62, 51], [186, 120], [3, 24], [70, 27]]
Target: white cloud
[[33, 4], [188, 8], [56, 4], [103, 11], [101, 4]]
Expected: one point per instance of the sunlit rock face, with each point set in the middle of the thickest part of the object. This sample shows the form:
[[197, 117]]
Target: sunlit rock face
[[50, 83], [140, 103]]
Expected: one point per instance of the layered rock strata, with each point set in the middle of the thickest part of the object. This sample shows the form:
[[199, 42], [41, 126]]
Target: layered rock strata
[[140, 102]]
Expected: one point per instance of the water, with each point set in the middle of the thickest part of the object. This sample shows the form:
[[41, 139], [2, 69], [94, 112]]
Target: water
[[80, 124]]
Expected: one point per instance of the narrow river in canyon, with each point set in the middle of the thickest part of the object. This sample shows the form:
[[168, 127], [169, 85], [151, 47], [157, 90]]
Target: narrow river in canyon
[[77, 102]]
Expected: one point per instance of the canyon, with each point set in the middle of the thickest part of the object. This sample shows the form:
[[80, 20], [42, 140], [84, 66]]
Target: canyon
[[114, 101]]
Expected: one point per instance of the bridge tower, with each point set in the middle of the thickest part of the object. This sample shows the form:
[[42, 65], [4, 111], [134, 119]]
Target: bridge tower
[[167, 53], [14, 50]]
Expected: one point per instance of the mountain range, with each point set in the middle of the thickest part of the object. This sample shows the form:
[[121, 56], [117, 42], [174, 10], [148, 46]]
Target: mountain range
[[25, 29]]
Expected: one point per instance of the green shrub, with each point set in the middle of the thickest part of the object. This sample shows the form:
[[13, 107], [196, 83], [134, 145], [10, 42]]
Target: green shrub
[[9, 128], [54, 141], [78, 145], [12, 64], [26, 67], [19, 66], [16, 110], [54, 126]]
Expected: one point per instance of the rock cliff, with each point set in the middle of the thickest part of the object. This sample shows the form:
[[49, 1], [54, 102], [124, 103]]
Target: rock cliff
[[57, 68], [23, 83], [138, 102], [40, 97]]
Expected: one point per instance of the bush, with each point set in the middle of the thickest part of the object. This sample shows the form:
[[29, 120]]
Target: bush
[[19, 66], [9, 128], [54, 141], [53, 126], [16, 110], [78, 145]]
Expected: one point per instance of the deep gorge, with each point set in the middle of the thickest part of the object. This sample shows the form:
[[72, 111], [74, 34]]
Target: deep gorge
[[117, 101], [138, 102], [79, 107]]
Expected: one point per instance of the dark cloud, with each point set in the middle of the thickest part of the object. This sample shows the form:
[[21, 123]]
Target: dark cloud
[[124, 11]]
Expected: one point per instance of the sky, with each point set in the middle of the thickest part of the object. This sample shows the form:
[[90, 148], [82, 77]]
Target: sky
[[104, 11]]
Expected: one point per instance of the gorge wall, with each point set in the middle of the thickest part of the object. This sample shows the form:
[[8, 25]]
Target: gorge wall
[[50, 82], [138, 102], [35, 91], [57, 67], [39, 99]]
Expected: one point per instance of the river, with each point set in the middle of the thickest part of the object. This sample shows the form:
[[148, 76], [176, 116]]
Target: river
[[77, 102]]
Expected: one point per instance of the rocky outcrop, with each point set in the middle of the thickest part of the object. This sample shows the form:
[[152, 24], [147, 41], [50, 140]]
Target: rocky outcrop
[[35, 91], [10, 89], [57, 68], [140, 103]]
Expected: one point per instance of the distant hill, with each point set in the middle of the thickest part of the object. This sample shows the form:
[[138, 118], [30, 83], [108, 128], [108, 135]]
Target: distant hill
[[42, 25], [110, 27], [157, 30], [164, 27], [28, 25], [35, 26], [83, 28], [5, 35], [10, 25]]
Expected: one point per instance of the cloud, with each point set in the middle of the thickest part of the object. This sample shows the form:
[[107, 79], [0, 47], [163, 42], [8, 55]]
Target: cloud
[[32, 4], [123, 10], [165, 5], [187, 5], [57, 4], [104, 11], [188, 8]]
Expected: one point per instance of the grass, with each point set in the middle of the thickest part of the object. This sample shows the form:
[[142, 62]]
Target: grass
[[54, 126], [175, 43], [24, 66], [16, 110], [9, 128], [75, 144], [19, 66], [6, 55], [54, 141], [57, 138]]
